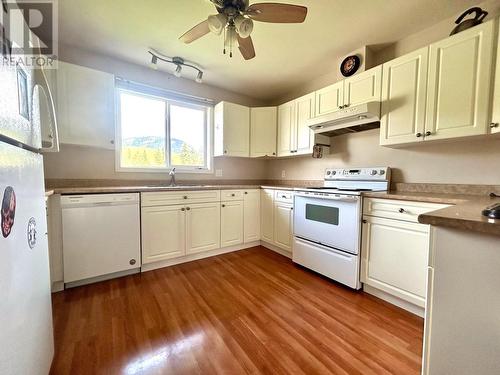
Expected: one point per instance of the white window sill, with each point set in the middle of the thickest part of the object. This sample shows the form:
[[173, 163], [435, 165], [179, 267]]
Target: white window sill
[[178, 170]]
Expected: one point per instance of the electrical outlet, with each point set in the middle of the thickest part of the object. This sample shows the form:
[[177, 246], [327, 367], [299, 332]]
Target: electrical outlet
[[283, 173], [218, 173]]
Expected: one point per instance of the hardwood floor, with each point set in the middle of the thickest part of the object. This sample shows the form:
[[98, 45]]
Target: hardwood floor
[[251, 311]]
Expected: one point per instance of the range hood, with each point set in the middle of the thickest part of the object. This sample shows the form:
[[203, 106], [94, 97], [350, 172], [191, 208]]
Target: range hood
[[348, 120]]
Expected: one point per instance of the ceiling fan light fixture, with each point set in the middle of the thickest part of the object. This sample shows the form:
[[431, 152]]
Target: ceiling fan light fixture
[[217, 22], [178, 71], [244, 26]]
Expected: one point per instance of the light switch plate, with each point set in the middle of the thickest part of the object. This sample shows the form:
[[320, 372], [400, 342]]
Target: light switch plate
[[218, 173]]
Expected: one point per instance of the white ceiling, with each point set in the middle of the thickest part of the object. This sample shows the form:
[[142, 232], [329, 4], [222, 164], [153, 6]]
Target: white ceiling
[[288, 55]]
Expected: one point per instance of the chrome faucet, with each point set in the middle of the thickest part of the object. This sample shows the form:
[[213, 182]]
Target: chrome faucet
[[172, 177]]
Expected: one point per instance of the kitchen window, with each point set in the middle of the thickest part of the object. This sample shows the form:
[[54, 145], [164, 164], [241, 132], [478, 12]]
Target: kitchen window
[[156, 133]]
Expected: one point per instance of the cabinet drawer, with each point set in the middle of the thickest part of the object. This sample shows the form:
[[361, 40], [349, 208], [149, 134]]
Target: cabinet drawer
[[283, 196], [399, 210], [231, 195], [179, 197]]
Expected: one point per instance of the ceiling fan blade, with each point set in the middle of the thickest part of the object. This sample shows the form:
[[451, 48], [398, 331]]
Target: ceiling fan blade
[[195, 33], [246, 48], [277, 13]]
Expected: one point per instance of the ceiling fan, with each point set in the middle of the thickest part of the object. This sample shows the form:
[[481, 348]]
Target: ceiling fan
[[235, 18]]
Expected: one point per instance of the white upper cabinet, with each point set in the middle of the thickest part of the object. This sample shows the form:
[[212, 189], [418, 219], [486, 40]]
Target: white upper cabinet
[[304, 107], [263, 127], [363, 88], [294, 135], [232, 130], [459, 84], [329, 99], [251, 219], [404, 89], [286, 129], [85, 106], [495, 118]]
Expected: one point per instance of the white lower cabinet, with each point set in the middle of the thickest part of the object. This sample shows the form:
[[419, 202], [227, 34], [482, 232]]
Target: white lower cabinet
[[251, 215], [395, 251], [267, 215], [231, 223], [283, 222], [163, 233], [202, 227], [394, 258]]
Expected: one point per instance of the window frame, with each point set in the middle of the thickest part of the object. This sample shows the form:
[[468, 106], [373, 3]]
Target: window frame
[[153, 93]]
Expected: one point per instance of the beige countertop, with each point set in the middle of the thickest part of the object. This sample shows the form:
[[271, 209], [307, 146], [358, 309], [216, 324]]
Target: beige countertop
[[464, 212]]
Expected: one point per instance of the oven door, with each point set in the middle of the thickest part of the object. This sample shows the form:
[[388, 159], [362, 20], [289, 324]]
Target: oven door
[[330, 220]]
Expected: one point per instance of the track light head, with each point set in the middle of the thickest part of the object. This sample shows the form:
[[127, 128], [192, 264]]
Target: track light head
[[178, 71], [199, 77]]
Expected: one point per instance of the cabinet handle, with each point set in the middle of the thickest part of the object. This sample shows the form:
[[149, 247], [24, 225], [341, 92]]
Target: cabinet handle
[[494, 125], [418, 135], [283, 196], [364, 221], [291, 208], [225, 151], [188, 208], [185, 197], [402, 210], [246, 192], [274, 153], [223, 205], [183, 209], [233, 195], [340, 107], [428, 133]]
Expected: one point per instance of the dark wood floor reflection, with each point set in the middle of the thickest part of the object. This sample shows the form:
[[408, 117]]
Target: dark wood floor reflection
[[251, 311]]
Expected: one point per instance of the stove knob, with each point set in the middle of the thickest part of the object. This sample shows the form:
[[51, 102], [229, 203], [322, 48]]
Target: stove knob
[[373, 172], [381, 172], [334, 172], [328, 173]]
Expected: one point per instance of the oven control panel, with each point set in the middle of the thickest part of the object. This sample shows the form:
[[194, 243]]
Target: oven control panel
[[360, 174]]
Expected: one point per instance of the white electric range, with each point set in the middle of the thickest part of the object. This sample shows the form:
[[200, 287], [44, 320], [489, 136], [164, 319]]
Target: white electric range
[[327, 222]]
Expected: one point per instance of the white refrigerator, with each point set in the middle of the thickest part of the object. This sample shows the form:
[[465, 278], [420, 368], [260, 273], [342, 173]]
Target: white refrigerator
[[26, 334]]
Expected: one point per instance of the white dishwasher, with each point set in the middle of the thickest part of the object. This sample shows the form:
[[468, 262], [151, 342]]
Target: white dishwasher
[[101, 236]]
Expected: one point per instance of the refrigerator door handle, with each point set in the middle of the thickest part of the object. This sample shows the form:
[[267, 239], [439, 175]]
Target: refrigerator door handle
[[41, 83]]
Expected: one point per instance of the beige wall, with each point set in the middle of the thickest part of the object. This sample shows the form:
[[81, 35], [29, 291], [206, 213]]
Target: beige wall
[[80, 162], [472, 161], [77, 162]]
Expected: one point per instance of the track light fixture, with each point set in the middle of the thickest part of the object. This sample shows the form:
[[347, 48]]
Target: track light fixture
[[179, 63]]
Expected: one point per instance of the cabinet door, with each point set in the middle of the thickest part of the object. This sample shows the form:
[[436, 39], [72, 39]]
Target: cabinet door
[[404, 88], [363, 88], [283, 221], [267, 215], [163, 233], [394, 258], [495, 118], [232, 130], [263, 127], [202, 227], [231, 223], [251, 215], [329, 99], [459, 84], [304, 107], [85, 106], [286, 129]]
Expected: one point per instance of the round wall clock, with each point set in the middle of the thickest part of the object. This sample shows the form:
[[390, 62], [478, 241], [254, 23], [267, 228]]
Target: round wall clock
[[350, 65]]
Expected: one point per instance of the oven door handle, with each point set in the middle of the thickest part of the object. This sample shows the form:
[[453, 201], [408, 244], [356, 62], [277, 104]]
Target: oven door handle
[[349, 198]]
